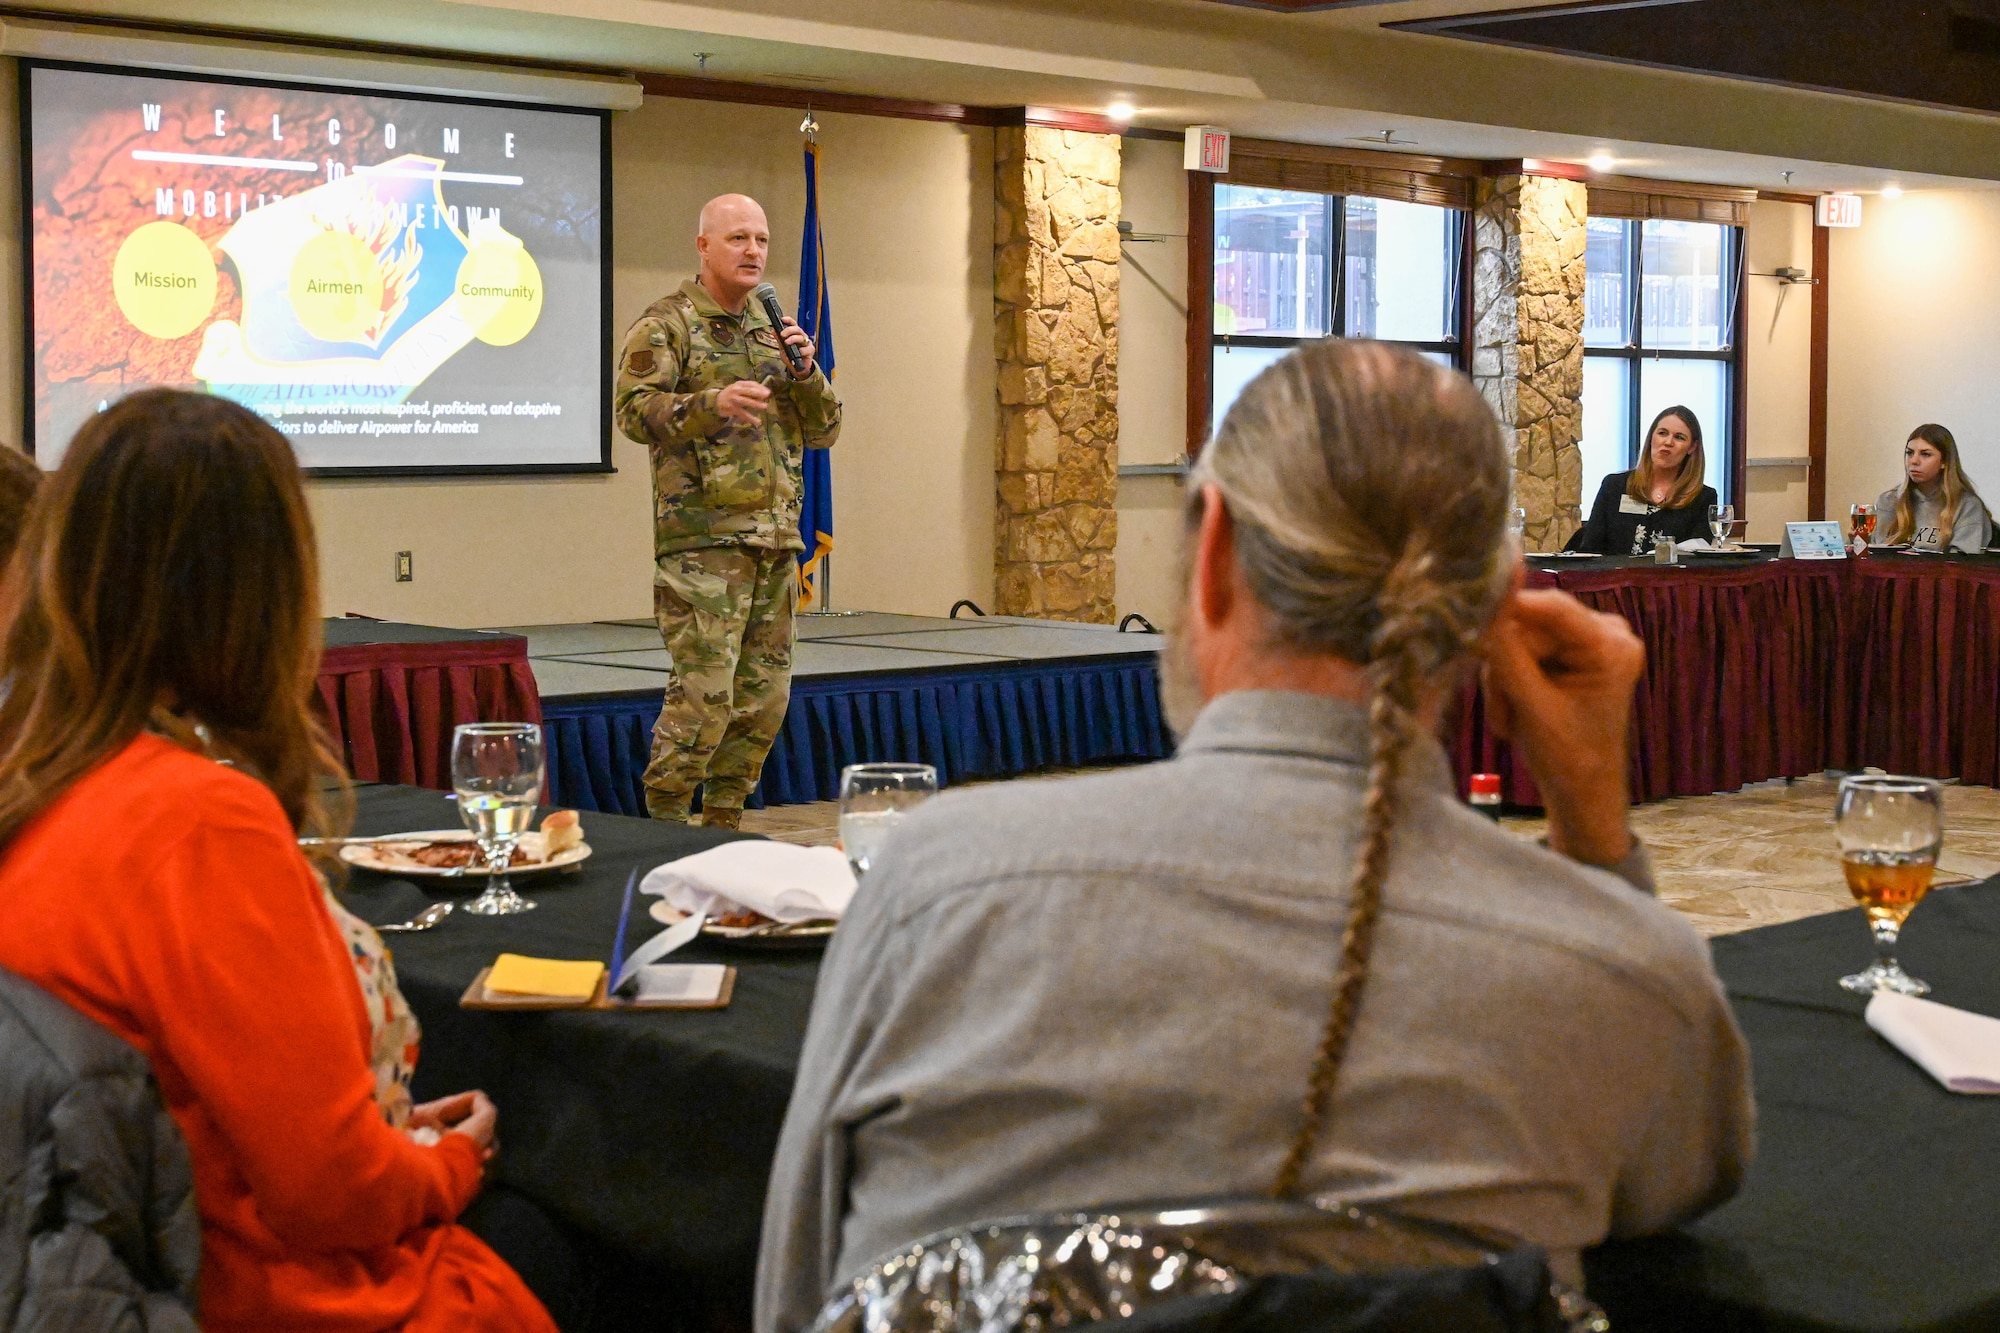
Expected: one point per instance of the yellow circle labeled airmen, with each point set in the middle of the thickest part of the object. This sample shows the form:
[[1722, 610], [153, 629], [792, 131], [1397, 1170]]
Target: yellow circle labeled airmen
[[164, 280], [336, 287], [499, 291]]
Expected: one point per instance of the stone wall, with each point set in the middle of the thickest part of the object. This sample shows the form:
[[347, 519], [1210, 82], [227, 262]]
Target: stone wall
[[1056, 339], [1527, 341]]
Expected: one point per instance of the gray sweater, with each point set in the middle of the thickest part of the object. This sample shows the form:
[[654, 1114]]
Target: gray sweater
[[1110, 988], [1970, 530]]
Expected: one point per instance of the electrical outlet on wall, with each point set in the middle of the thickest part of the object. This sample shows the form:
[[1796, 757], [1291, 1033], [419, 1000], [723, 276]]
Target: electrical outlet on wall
[[404, 573]]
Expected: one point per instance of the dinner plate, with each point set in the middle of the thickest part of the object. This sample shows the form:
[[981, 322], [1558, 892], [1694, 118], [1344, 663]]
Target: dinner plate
[[1731, 553], [803, 935], [388, 857]]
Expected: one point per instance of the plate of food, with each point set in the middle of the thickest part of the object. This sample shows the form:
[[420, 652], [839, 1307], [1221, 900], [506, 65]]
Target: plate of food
[[751, 930], [454, 853], [1725, 552]]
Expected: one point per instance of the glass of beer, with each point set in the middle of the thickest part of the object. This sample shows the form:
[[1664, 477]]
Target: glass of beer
[[1890, 830], [1861, 523]]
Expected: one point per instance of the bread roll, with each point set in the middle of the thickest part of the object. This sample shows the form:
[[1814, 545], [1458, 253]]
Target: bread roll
[[561, 831]]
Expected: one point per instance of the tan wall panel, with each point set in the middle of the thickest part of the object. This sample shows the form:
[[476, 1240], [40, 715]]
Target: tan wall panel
[[908, 221], [1778, 364], [1152, 378], [1914, 335]]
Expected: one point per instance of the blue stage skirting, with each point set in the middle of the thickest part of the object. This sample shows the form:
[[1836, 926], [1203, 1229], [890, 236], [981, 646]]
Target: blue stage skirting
[[986, 723]]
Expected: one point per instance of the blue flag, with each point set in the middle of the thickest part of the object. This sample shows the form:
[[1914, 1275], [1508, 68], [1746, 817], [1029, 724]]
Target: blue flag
[[816, 318]]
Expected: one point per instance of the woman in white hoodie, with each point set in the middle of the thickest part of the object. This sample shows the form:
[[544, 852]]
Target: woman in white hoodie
[[1935, 509]]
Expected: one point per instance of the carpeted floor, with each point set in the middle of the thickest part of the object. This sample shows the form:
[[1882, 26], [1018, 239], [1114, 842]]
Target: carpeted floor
[[1749, 858]]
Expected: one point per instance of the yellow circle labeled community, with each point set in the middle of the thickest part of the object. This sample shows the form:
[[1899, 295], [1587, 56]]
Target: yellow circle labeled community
[[164, 280], [336, 287], [499, 291]]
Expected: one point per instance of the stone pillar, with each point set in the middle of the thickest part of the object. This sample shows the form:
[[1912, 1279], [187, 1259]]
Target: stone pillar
[[1527, 340], [1056, 338]]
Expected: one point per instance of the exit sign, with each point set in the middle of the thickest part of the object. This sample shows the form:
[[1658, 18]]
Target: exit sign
[[1207, 149], [1838, 210]]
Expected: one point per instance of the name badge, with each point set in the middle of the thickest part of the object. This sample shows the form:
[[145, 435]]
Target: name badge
[[1627, 505]]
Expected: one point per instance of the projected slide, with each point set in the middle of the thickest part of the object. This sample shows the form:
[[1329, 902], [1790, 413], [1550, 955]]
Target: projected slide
[[396, 283]]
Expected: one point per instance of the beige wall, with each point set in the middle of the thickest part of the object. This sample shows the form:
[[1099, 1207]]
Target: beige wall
[[907, 212], [1914, 336], [911, 282], [1777, 370], [1152, 378]]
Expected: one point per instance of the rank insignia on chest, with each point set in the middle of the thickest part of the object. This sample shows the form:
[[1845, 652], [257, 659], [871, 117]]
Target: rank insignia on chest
[[641, 362], [722, 331]]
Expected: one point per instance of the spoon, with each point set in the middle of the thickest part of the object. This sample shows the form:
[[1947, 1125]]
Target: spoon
[[423, 920]]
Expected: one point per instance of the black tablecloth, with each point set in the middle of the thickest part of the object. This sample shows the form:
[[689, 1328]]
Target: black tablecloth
[[1874, 1203], [651, 1132]]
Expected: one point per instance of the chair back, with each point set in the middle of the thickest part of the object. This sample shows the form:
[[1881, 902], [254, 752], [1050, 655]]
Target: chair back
[[98, 1230], [1206, 1266]]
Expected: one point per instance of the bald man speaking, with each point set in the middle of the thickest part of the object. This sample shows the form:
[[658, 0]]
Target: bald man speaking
[[705, 385]]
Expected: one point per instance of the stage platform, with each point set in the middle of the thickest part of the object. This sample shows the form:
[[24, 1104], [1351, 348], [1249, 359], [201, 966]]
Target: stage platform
[[975, 697]]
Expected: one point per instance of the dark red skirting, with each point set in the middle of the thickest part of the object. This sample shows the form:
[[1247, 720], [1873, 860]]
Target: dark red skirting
[[392, 706], [1790, 667]]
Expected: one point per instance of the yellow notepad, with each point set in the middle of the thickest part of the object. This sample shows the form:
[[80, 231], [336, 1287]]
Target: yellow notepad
[[514, 974]]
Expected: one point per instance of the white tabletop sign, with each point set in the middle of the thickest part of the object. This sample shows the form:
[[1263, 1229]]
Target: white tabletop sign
[[1813, 541]]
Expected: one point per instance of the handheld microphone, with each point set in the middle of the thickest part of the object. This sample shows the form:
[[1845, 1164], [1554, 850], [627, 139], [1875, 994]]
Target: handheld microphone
[[767, 296]]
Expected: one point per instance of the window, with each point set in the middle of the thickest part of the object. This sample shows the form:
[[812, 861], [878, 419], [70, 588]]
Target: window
[[1660, 306], [1292, 266]]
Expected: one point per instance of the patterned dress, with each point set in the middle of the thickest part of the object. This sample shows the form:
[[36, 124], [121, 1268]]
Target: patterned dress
[[392, 1027]]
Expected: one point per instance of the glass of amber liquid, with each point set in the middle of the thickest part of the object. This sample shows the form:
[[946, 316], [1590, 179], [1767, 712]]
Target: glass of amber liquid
[[1861, 523], [1890, 830]]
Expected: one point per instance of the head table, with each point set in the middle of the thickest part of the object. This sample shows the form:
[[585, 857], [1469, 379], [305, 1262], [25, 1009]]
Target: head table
[[1760, 668], [1871, 1207]]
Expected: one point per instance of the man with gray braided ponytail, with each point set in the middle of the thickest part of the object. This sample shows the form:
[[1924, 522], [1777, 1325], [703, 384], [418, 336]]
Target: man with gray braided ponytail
[[1289, 960]]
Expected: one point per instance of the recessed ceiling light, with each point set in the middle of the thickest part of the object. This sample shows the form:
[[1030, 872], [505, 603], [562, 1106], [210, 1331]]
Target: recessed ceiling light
[[1120, 111], [1602, 162], [1892, 192]]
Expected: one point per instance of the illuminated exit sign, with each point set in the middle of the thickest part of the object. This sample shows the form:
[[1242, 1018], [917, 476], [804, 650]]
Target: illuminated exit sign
[[1838, 210], [1207, 149]]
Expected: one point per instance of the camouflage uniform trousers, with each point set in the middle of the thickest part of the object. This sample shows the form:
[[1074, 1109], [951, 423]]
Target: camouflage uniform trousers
[[725, 613]]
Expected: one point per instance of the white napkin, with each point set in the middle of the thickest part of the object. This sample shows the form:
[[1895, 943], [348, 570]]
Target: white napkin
[[1959, 1049], [784, 882], [1694, 544]]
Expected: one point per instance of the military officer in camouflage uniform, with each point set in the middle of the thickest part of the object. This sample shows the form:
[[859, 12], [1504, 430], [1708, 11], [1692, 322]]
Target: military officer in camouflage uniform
[[703, 383]]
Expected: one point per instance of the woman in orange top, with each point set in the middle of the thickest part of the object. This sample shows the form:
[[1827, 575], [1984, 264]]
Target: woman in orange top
[[158, 758]]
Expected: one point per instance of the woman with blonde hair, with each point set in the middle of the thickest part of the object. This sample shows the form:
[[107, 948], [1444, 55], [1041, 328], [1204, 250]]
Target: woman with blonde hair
[[1936, 508], [1664, 496], [158, 760]]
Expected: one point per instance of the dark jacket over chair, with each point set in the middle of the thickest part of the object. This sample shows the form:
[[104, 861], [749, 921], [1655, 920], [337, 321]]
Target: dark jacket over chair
[[98, 1229]]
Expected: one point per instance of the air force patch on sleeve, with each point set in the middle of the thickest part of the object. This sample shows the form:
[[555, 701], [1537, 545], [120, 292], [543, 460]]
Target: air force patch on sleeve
[[641, 362]]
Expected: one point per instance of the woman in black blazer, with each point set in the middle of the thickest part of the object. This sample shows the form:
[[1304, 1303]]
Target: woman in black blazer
[[1663, 496]]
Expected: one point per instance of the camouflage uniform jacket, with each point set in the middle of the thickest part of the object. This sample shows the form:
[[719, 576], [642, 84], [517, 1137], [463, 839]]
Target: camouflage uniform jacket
[[718, 482]]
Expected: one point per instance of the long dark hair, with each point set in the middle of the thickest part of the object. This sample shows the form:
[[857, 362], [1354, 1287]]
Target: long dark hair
[[167, 578], [1694, 467]]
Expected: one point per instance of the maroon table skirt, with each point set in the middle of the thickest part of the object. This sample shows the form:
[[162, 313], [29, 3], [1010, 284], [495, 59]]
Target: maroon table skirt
[[392, 706], [1788, 667]]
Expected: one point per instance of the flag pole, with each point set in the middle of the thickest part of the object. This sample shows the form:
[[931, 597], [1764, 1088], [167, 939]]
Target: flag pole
[[818, 563]]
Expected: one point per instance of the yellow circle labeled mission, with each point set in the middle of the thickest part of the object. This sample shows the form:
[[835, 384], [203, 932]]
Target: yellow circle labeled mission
[[499, 291], [336, 287], [164, 280]]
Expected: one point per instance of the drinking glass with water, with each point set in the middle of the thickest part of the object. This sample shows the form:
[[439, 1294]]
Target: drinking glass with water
[[1720, 519], [873, 798], [496, 769]]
